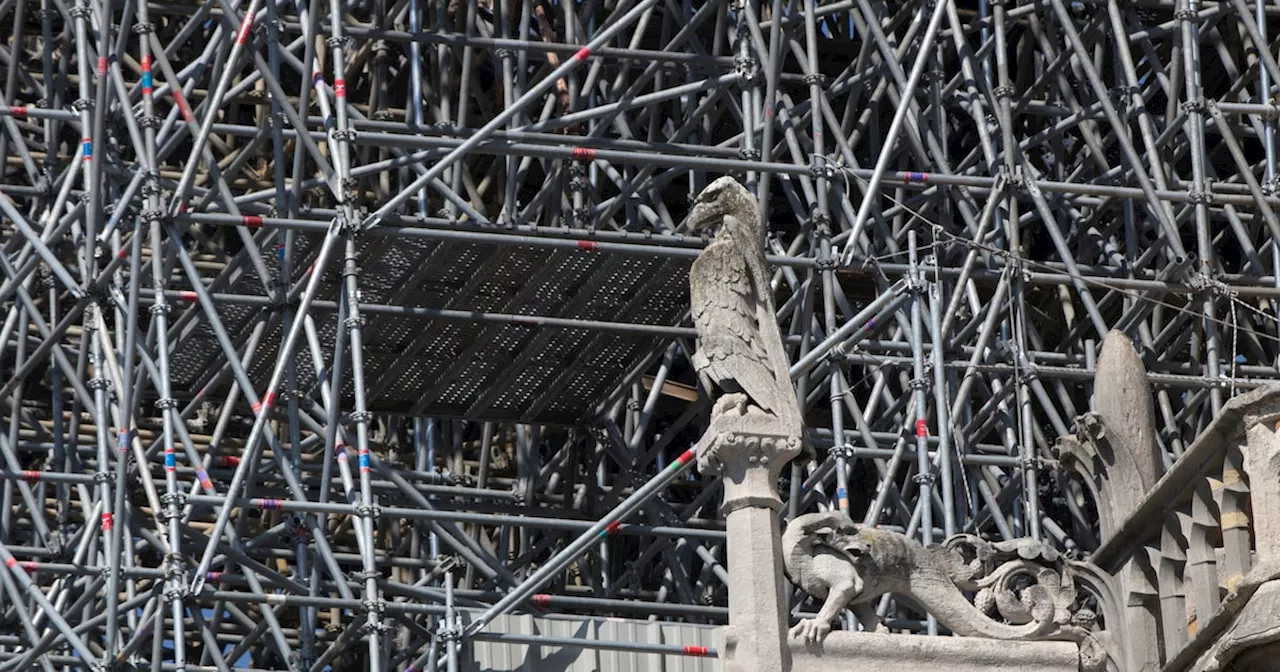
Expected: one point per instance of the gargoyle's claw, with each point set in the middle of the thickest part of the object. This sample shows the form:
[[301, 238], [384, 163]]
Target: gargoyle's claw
[[811, 630]]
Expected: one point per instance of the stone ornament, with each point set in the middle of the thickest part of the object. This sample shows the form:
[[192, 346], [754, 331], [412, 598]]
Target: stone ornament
[[749, 464], [755, 427], [1024, 589], [739, 347], [1114, 448]]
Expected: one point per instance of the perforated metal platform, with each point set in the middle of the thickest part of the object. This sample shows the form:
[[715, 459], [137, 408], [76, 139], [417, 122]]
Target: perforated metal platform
[[470, 368]]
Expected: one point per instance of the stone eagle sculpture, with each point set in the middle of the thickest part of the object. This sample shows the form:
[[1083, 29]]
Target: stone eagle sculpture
[[739, 345]]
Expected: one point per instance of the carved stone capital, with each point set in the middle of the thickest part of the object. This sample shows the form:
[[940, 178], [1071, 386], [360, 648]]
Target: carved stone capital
[[750, 464]]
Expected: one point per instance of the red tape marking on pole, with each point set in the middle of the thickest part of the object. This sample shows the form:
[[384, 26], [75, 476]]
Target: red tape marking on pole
[[181, 101], [245, 27]]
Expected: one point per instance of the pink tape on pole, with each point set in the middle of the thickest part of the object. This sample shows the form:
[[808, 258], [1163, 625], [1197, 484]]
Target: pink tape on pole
[[245, 27]]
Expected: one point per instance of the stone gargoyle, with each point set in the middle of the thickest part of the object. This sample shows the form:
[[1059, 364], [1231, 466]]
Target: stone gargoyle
[[1025, 589]]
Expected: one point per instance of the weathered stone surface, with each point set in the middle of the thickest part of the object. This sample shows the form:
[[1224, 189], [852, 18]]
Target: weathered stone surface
[[1262, 464], [913, 653], [1252, 642], [756, 637]]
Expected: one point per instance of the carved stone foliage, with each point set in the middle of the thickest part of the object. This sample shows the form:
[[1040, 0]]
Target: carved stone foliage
[[1024, 581], [750, 465]]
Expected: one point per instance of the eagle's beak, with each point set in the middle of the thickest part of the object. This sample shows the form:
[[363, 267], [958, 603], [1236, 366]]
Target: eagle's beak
[[705, 215]]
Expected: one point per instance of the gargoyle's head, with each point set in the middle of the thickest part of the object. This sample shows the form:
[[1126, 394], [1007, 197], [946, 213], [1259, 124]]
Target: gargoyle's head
[[852, 545], [725, 196], [855, 546]]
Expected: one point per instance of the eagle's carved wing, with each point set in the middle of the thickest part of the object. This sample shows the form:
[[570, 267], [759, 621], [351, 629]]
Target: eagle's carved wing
[[726, 312]]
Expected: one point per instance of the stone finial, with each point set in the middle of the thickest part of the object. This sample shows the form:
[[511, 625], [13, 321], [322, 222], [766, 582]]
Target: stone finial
[[1115, 447]]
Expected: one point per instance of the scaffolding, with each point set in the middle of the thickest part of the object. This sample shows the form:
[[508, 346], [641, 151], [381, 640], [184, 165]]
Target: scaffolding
[[335, 332]]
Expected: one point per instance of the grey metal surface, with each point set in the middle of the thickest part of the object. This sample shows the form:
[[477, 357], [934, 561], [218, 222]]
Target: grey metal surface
[[483, 656], [473, 370]]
